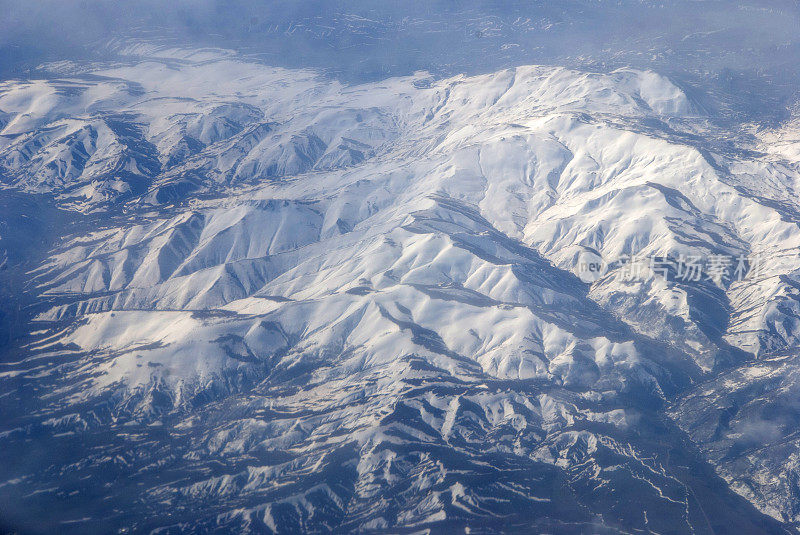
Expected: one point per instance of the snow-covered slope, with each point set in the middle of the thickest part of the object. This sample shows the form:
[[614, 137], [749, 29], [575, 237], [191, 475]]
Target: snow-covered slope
[[292, 304]]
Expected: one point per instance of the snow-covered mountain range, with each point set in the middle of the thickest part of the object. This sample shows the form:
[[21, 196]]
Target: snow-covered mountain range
[[261, 300]]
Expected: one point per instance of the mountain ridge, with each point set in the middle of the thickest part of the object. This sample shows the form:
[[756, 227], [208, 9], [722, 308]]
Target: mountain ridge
[[360, 305]]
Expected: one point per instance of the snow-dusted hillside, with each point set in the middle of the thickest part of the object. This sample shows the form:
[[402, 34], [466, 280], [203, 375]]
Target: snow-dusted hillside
[[278, 303]]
